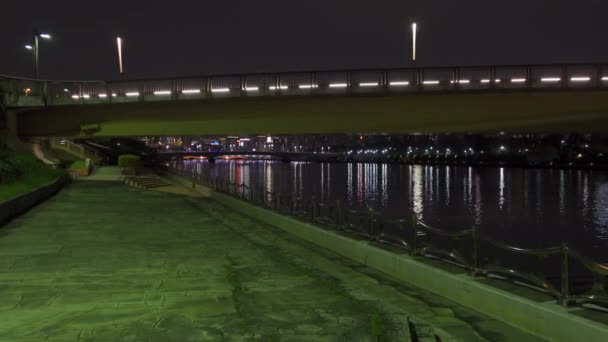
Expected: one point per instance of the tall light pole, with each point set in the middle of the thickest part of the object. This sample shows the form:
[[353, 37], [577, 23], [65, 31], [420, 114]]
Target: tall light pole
[[120, 63], [414, 36], [34, 48]]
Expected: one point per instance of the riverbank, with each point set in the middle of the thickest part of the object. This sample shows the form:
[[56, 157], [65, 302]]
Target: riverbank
[[108, 262], [21, 173]]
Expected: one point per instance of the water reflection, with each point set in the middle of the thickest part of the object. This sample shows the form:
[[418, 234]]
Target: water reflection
[[417, 193], [501, 189], [526, 207]]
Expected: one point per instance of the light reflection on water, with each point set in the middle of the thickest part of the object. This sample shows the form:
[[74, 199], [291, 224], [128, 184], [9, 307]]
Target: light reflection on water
[[524, 207]]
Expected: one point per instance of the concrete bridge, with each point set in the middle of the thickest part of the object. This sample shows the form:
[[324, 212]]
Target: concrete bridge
[[533, 98]]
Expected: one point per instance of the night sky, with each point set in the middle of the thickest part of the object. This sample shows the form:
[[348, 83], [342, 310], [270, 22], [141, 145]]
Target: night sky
[[173, 38]]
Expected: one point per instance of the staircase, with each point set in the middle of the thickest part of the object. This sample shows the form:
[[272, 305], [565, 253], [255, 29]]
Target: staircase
[[77, 150], [146, 182]]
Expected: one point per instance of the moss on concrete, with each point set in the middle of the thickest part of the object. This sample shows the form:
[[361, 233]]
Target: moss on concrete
[[101, 261]]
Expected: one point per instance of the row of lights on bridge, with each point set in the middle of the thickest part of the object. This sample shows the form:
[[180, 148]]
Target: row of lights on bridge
[[575, 79]]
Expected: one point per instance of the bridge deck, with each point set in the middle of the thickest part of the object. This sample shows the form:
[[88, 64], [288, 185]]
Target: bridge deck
[[556, 111], [102, 261]]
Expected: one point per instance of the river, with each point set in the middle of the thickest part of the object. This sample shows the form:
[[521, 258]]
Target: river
[[529, 208]]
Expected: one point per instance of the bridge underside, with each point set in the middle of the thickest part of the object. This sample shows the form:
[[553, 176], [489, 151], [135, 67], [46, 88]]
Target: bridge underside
[[557, 111]]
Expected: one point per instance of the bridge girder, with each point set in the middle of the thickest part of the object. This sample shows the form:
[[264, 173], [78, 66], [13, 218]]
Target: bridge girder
[[542, 111]]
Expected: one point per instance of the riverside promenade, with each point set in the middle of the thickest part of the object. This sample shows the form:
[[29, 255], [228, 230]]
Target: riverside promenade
[[102, 261]]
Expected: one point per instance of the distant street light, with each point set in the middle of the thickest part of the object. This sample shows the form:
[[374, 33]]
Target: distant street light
[[34, 48], [120, 63], [414, 36]]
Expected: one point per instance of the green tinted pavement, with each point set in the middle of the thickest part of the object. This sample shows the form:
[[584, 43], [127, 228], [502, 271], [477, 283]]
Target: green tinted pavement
[[105, 262]]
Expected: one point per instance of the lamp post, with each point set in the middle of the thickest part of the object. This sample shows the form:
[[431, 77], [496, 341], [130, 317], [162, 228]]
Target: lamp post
[[414, 36], [120, 63], [34, 48]]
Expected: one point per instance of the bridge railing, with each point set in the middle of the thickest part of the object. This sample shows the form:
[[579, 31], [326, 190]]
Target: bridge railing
[[28, 92], [560, 272]]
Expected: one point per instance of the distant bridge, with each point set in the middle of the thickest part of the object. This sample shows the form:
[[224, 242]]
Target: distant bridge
[[284, 156], [455, 99]]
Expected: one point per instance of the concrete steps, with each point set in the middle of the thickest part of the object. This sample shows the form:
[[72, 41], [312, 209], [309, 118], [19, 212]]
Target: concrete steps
[[146, 182]]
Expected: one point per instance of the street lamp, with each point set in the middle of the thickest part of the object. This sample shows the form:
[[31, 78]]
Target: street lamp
[[120, 63], [34, 48], [414, 36]]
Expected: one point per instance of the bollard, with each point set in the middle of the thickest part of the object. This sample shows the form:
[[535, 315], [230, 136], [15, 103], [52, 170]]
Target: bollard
[[565, 293]]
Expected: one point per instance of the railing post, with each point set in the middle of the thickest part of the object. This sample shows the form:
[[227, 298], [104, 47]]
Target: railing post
[[277, 202], [598, 76], [338, 213], [174, 95], [45, 89], [528, 76], [565, 293], [108, 93], [492, 77], [385, 81], [475, 238], [370, 217], [419, 78], [414, 245], [313, 209], [209, 85], [140, 90]]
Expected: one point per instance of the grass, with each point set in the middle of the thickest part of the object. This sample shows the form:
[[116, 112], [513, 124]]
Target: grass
[[34, 174]]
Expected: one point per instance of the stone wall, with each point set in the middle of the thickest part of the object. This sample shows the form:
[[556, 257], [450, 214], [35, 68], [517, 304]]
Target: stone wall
[[13, 207]]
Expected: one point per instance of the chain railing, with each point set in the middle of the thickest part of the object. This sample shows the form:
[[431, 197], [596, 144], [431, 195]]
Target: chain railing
[[28, 92], [560, 272]]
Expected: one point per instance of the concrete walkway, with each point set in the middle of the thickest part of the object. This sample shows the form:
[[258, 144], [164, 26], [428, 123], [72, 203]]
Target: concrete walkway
[[105, 262]]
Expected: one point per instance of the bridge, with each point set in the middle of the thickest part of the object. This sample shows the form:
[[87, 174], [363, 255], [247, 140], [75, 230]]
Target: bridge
[[542, 98], [284, 156]]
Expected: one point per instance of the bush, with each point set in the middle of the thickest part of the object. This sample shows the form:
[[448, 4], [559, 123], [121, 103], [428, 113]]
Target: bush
[[78, 164], [16, 167], [129, 161]]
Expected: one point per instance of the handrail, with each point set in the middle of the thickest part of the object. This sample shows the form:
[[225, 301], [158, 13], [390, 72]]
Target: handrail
[[266, 73], [535, 252], [442, 232], [472, 78]]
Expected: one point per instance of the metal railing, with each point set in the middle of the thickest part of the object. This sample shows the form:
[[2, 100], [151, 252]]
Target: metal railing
[[28, 92], [82, 151], [560, 272]]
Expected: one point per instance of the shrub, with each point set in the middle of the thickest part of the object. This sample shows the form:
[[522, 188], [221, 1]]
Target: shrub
[[14, 167], [78, 164], [129, 161]]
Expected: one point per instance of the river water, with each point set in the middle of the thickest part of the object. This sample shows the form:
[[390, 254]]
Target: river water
[[529, 208]]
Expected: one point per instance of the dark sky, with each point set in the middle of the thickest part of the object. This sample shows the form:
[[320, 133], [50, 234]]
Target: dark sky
[[171, 38]]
